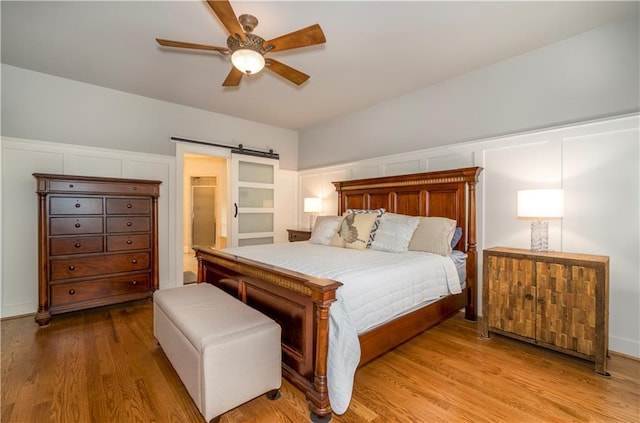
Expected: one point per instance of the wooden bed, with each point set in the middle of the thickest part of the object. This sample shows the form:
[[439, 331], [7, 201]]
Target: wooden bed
[[301, 303]]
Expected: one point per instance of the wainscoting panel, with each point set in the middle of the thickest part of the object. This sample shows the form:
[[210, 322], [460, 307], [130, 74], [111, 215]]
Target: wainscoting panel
[[597, 165], [20, 159]]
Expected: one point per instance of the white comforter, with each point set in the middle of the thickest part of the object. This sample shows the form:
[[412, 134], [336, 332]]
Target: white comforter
[[377, 286]]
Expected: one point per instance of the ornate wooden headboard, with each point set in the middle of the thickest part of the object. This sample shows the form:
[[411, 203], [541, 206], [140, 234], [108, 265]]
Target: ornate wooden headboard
[[446, 193]]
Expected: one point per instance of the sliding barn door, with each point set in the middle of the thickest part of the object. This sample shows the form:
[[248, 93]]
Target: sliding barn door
[[252, 199]]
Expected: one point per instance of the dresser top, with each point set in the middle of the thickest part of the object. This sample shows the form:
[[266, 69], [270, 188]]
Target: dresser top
[[92, 178], [548, 254]]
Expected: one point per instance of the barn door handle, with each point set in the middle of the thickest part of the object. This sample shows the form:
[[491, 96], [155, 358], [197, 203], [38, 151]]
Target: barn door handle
[[235, 207]]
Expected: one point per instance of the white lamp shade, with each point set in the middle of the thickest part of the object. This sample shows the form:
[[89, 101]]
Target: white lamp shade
[[312, 205], [248, 61], [540, 203]]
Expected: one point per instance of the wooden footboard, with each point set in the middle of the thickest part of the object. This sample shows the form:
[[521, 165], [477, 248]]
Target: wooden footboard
[[298, 303]]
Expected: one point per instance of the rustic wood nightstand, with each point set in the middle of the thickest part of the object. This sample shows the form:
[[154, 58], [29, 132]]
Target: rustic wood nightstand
[[299, 234], [552, 299]]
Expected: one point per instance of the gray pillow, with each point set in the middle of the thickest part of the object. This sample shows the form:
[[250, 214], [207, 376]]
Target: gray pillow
[[324, 229]]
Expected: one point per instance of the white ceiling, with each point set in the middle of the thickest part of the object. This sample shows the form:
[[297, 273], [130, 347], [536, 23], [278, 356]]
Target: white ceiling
[[375, 51]]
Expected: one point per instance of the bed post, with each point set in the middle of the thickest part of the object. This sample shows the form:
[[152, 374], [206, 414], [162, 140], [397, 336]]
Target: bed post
[[472, 260], [318, 399]]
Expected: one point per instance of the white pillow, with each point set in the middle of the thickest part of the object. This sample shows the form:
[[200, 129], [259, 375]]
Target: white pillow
[[394, 233], [433, 235], [324, 229]]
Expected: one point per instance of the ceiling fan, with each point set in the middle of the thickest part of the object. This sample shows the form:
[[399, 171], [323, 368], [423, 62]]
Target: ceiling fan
[[248, 50]]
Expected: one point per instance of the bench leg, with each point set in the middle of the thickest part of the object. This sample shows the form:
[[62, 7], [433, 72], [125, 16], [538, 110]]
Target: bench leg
[[273, 395], [320, 419]]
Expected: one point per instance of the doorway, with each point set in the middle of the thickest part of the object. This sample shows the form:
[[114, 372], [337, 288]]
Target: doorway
[[205, 207], [203, 218]]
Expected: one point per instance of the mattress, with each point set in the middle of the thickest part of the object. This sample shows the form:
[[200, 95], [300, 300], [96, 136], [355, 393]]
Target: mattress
[[377, 286]]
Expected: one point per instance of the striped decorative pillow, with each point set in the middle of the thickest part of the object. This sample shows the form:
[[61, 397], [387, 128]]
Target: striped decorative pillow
[[379, 212]]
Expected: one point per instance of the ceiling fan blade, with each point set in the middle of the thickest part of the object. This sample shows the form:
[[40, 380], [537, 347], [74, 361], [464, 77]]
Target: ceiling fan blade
[[285, 71], [227, 16], [170, 43], [234, 77], [301, 38]]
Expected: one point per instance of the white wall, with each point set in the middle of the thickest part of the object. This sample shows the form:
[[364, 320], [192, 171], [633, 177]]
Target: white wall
[[591, 75], [20, 159], [45, 107], [596, 163], [18, 244]]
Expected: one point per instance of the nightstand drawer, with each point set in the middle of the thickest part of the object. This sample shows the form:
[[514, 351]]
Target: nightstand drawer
[[299, 234]]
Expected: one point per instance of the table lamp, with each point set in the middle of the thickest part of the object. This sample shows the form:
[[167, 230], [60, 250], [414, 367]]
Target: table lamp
[[541, 205], [312, 205]]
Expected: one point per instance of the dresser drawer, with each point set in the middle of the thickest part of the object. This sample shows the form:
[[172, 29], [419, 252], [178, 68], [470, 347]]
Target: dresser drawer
[[80, 245], [79, 267], [75, 205], [128, 224], [74, 292], [103, 187], [128, 242], [128, 206], [75, 225]]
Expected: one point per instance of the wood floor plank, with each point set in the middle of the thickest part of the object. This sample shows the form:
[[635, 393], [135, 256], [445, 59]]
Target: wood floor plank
[[104, 365]]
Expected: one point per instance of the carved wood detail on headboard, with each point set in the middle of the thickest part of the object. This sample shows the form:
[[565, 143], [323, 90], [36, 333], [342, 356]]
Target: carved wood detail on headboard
[[446, 193]]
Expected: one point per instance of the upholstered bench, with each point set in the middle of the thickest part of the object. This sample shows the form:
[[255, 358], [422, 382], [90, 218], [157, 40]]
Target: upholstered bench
[[225, 352]]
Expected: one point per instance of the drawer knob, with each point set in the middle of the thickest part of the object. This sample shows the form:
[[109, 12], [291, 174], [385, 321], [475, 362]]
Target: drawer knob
[[78, 245], [70, 185], [134, 261], [529, 297], [78, 225], [72, 267], [129, 223], [129, 242], [129, 205], [72, 291], [77, 205], [134, 282]]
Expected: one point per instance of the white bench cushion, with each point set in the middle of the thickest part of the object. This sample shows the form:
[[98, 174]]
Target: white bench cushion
[[205, 313], [225, 352]]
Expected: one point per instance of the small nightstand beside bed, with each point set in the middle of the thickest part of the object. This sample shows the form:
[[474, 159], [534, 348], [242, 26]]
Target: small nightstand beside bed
[[384, 293]]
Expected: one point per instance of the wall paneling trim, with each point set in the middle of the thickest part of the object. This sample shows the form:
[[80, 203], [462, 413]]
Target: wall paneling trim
[[597, 163]]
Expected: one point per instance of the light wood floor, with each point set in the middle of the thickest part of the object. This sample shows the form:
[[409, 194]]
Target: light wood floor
[[105, 366]]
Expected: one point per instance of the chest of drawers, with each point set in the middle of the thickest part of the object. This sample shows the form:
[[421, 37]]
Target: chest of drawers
[[97, 242]]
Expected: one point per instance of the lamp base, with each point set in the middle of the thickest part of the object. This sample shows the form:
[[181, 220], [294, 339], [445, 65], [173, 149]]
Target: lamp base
[[312, 221], [540, 236]]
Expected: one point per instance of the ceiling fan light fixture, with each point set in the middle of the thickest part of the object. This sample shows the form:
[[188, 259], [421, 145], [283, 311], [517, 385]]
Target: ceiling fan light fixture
[[247, 61]]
